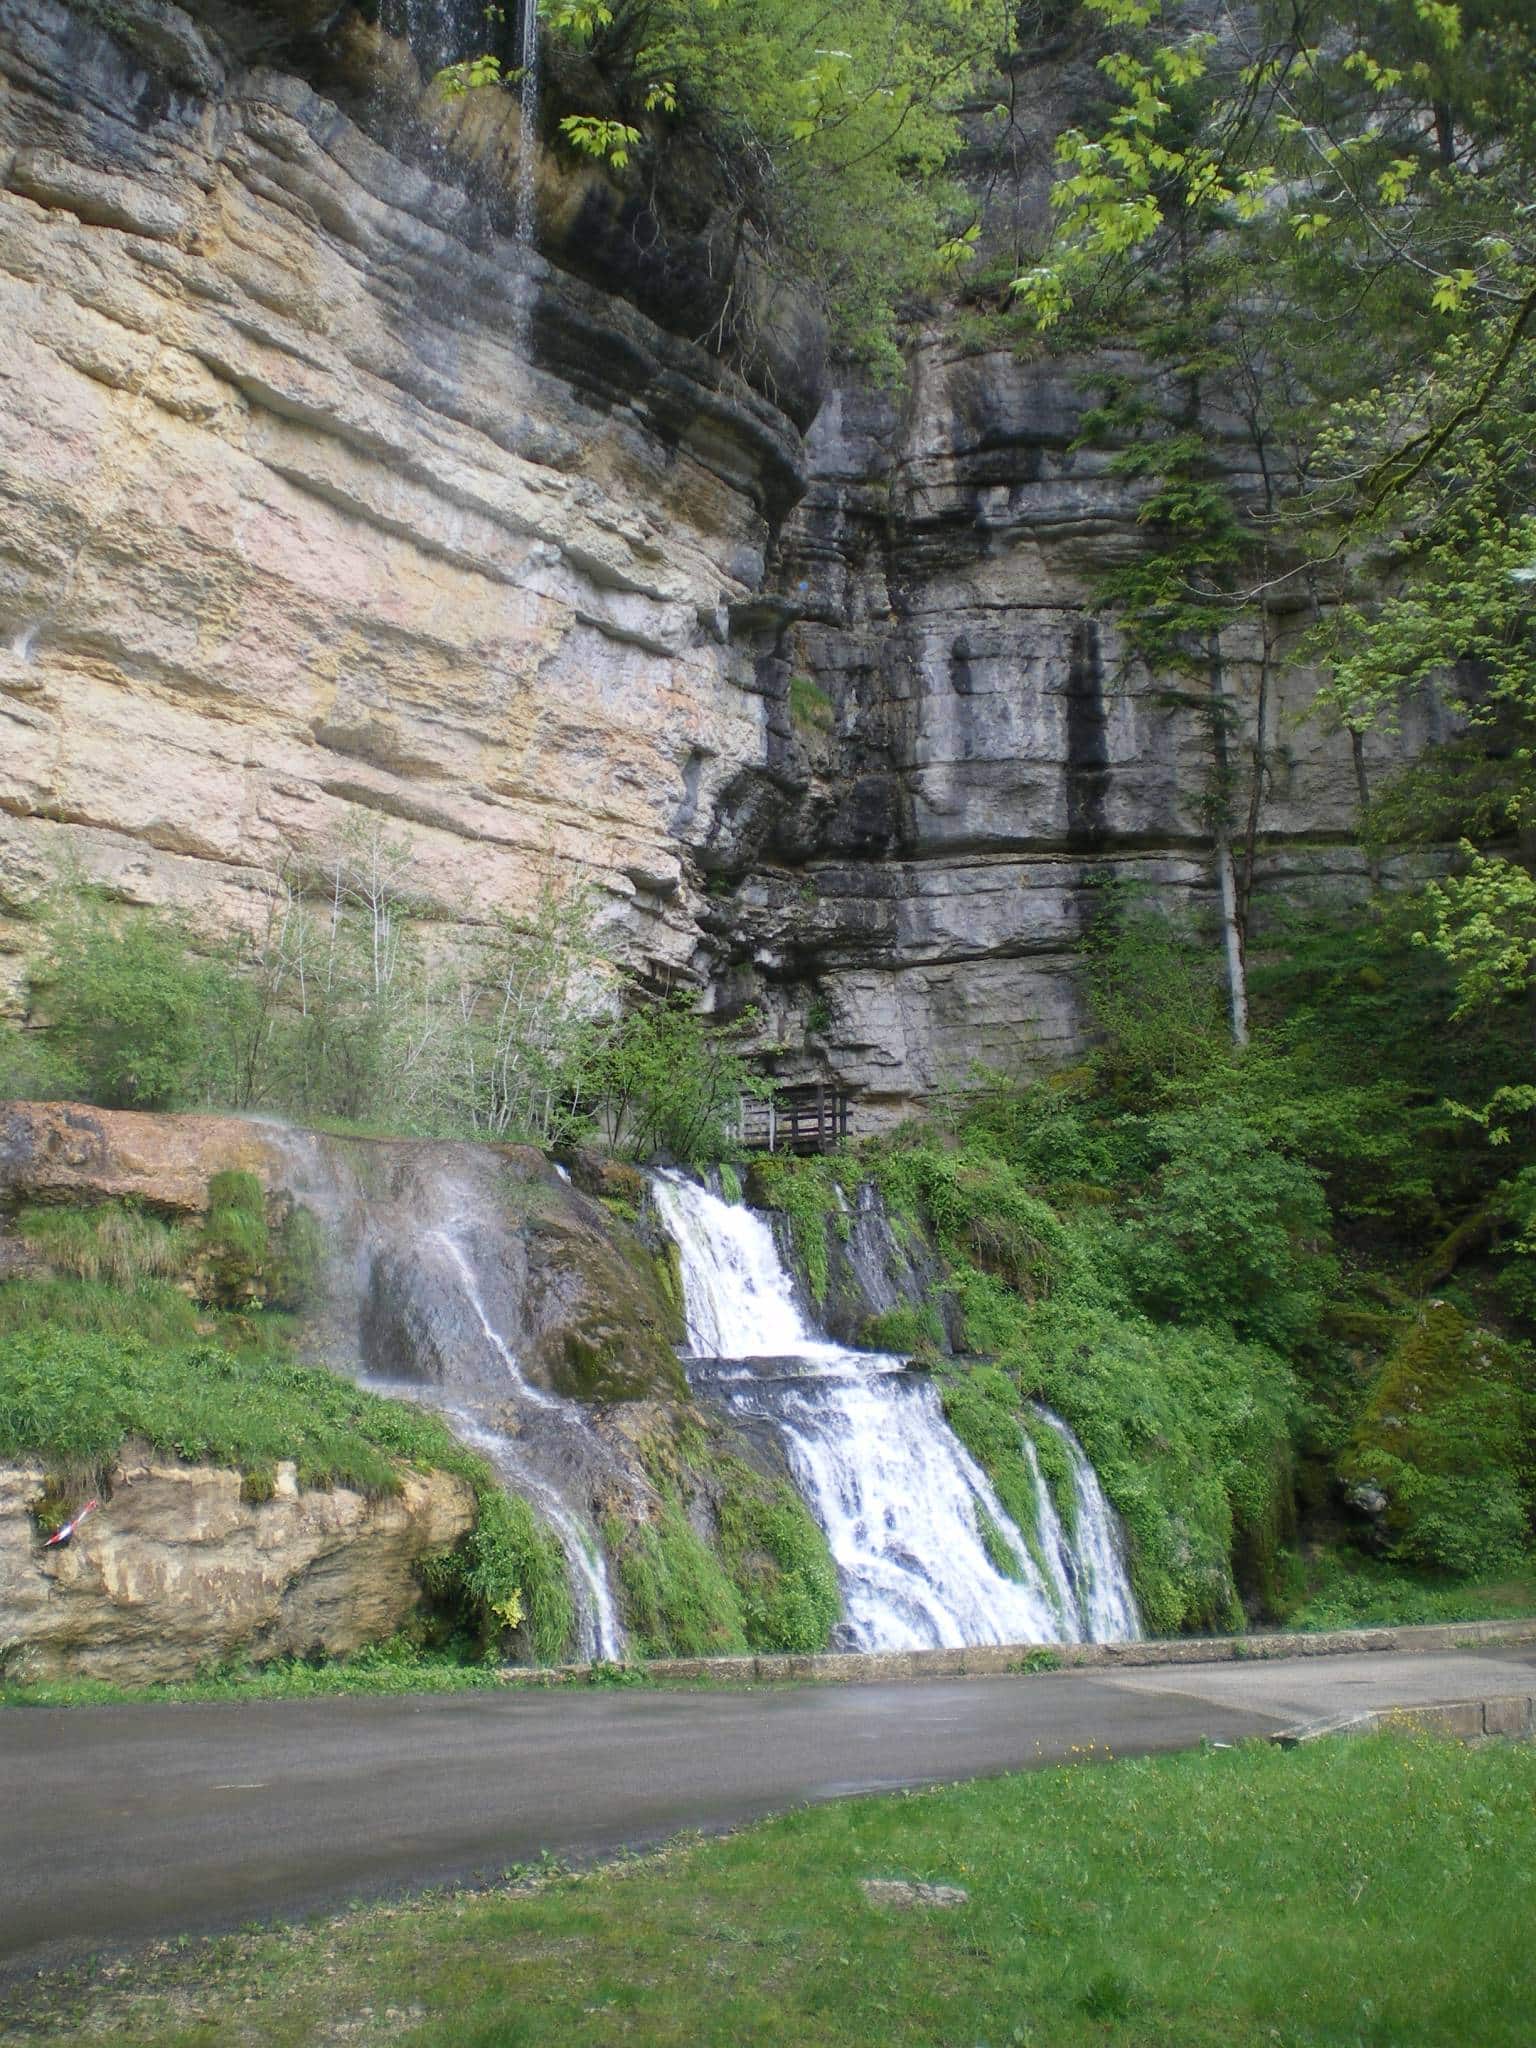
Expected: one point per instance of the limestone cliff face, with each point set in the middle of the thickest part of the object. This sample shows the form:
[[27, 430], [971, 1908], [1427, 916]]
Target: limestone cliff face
[[310, 517], [175, 1570], [307, 516]]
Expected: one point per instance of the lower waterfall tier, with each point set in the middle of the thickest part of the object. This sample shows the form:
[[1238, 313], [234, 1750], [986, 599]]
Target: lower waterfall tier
[[927, 1556]]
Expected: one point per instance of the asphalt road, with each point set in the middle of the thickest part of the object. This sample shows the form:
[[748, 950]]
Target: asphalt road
[[123, 1824]]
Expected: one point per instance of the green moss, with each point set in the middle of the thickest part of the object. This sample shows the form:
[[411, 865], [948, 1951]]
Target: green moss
[[981, 1406], [1055, 1465], [911, 1330], [236, 1247], [761, 1578], [810, 708], [1448, 1433], [999, 1550], [779, 1562], [805, 1191]]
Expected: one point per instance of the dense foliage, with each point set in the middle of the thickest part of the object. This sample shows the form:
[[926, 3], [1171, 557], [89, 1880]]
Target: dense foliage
[[1282, 1292], [1312, 224], [822, 139], [763, 1580]]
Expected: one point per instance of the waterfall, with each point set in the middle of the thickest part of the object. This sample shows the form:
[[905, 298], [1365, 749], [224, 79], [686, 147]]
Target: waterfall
[[599, 1632], [1106, 1604], [525, 193], [907, 1511], [528, 108], [422, 1289], [466, 1279]]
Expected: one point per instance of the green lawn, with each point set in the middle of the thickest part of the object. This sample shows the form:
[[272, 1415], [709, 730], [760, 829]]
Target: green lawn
[[1376, 1893]]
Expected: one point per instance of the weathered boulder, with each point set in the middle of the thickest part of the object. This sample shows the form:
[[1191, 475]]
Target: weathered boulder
[[176, 1569], [68, 1152]]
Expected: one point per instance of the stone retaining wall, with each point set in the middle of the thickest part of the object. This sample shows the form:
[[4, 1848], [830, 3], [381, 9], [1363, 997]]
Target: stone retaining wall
[[995, 1660]]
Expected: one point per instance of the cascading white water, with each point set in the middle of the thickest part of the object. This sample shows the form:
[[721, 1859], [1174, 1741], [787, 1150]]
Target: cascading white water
[[906, 1509], [1105, 1600]]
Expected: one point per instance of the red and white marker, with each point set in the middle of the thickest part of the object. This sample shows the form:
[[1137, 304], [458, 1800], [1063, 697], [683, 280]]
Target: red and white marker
[[62, 1536]]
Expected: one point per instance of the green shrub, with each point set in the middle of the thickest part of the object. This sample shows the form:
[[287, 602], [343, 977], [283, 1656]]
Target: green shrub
[[132, 1017], [508, 1575], [670, 1083], [1189, 1430], [1229, 1231]]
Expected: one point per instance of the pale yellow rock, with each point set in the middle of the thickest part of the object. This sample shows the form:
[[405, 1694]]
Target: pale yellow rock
[[175, 1570], [67, 1152]]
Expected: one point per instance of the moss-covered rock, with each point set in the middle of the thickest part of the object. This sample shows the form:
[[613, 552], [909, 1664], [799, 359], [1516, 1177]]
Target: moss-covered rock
[[1448, 1436]]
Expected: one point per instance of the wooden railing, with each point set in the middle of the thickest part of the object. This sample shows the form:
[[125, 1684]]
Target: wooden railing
[[813, 1118]]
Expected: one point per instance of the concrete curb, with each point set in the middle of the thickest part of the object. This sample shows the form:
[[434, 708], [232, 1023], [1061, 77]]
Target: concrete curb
[[1509, 1716], [1019, 1659]]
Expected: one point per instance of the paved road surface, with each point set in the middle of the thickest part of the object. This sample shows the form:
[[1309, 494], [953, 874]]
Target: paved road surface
[[122, 1824]]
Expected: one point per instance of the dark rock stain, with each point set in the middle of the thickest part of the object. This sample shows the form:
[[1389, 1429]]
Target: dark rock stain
[[1087, 739]]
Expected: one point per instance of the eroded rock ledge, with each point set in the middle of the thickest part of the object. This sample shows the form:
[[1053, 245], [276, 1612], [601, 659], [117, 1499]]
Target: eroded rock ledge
[[177, 1570]]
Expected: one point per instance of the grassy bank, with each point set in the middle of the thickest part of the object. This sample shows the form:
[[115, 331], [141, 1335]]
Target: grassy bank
[[1376, 1893]]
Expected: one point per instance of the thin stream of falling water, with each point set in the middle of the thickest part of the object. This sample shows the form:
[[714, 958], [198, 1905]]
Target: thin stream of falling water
[[600, 1634], [525, 210], [440, 1347], [528, 109], [899, 1497], [1101, 1578], [535, 1396]]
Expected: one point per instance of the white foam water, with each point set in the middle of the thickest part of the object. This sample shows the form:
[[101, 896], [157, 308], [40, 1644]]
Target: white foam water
[[907, 1511]]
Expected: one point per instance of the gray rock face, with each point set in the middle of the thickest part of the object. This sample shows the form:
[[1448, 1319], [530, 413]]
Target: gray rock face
[[984, 754]]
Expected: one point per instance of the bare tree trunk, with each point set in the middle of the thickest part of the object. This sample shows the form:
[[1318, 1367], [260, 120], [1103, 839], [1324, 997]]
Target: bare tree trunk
[[1221, 835], [1363, 793], [1260, 765]]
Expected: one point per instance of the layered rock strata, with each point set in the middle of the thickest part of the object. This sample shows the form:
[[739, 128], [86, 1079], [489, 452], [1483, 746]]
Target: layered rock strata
[[311, 517], [328, 506], [964, 754]]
